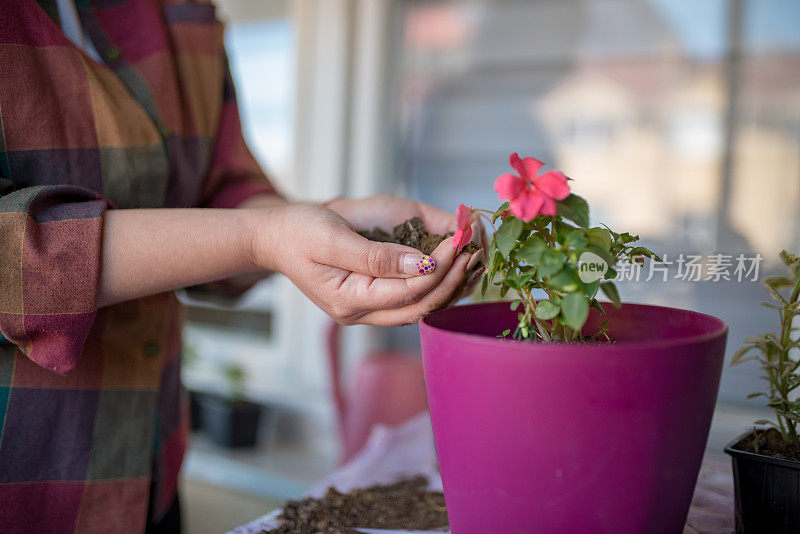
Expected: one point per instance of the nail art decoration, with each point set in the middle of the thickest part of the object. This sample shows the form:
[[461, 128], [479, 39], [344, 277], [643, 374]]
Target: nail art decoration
[[425, 264]]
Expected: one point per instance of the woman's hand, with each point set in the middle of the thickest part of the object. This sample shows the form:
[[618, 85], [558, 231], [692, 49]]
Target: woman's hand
[[386, 212], [352, 279]]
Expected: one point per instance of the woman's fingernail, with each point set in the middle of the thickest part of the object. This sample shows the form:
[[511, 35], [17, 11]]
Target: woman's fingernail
[[474, 259], [418, 264], [473, 277]]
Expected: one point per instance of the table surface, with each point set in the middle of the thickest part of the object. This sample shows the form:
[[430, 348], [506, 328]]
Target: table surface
[[406, 450]]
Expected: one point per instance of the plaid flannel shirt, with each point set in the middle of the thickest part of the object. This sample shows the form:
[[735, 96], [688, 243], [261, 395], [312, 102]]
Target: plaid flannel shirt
[[91, 407]]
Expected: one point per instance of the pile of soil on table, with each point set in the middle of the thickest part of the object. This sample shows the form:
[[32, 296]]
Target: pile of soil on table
[[412, 233], [768, 442], [404, 505]]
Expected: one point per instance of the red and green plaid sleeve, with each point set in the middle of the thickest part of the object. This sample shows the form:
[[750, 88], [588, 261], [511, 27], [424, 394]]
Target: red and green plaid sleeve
[[234, 174], [50, 240]]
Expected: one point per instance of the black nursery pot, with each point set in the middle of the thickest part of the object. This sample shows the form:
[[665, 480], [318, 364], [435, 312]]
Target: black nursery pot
[[767, 492], [195, 411], [230, 423]]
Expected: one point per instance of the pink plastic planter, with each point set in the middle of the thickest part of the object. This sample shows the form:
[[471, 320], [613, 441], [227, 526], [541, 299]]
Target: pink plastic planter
[[571, 438]]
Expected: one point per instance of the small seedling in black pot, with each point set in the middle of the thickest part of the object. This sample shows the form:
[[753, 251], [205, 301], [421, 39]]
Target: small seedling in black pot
[[766, 460], [188, 361], [231, 421]]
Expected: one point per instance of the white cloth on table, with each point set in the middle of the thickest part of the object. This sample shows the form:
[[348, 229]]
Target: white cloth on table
[[390, 454]]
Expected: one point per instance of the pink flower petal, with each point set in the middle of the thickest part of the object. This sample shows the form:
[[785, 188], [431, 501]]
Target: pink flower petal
[[532, 166], [463, 214], [553, 184], [548, 206], [516, 164], [462, 237], [527, 205], [509, 186]]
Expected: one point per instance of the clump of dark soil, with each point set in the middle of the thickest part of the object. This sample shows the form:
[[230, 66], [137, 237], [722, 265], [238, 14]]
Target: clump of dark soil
[[768, 442], [403, 505], [412, 233]]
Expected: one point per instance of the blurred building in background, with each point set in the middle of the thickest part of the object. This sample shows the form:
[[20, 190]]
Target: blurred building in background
[[678, 120]]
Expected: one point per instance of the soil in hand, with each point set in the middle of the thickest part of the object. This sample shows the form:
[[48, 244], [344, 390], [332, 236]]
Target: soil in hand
[[404, 505], [412, 233], [768, 442]]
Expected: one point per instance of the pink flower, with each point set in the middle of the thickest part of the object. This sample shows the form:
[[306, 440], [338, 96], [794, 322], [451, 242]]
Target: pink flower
[[530, 195], [464, 232]]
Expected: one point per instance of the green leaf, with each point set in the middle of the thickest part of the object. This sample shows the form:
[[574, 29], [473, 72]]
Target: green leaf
[[777, 282], [505, 333], [575, 209], [531, 249], [787, 258], [546, 310], [626, 238], [738, 356], [484, 285], [576, 240], [574, 310], [503, 207], [566, 280], [496, 262], [764, 340], [591, 288], [614, 235], [507, 234], [610, 291], [514, 305], [599, 237], [511, 282], [503, 290], [597, 306], [550, 262], [794, 271], [643, 251], [603, 253], [774, 294], [564, 230]]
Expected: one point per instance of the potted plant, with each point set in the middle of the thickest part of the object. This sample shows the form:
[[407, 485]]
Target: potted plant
[[766, 461], [188, 361], [231, 421], [556, 412]]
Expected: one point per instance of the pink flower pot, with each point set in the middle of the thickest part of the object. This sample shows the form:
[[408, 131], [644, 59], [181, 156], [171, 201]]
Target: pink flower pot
[[571, 438]]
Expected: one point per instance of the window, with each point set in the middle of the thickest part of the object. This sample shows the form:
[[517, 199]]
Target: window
[[678, 120]]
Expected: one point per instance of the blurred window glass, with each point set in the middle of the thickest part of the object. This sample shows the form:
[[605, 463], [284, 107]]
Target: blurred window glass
[[259, 38], [632, 97], [678, 120]]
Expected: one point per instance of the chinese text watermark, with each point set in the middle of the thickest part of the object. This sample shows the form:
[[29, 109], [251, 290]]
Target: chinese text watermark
[[692, 268]]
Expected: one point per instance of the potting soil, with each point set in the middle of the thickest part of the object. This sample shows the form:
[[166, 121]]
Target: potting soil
[[412, 233], [404, 505]]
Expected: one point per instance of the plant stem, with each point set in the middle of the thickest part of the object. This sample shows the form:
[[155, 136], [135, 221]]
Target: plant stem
[[787, 318], [485, 217], [531, 305]]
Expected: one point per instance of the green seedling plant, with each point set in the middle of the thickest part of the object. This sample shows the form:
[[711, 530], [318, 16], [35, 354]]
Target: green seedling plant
[[235, 377], [544, 242], [776, 352]]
